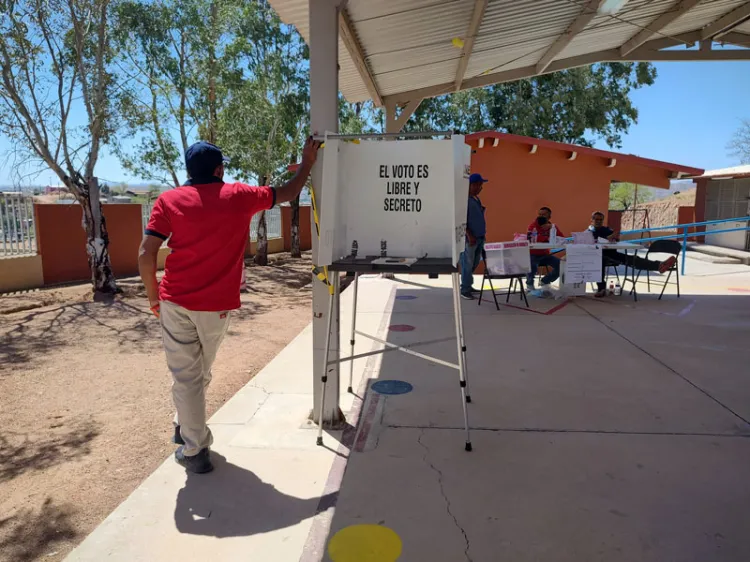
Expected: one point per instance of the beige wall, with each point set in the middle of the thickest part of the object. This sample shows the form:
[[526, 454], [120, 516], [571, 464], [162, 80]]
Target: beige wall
[[22, 272], [25, 272]]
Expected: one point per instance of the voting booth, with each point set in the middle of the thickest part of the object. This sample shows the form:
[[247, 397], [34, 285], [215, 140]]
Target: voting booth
[[396, 199], [394, 206]]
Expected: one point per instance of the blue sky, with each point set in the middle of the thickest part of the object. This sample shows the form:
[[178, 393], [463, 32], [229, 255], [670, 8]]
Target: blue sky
[[690, 113], [687, 117]]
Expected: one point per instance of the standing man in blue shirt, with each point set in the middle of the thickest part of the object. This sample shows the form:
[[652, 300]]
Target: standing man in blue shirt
[[476, 230]]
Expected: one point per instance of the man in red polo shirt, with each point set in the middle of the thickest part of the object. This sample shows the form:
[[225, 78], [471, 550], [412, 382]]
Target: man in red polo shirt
[[542, 225], [207, 225]]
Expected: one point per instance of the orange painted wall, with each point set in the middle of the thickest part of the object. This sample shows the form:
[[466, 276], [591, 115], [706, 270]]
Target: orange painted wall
[[62, 241], [521, 182], [305, 233]]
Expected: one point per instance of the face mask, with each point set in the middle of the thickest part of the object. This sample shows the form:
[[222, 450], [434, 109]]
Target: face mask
[[541, 221]]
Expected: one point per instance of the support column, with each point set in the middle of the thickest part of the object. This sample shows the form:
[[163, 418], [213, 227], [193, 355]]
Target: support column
[[324, 30]]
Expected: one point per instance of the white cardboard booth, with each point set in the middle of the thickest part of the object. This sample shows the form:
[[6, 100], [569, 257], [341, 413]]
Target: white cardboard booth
[[400, 199], [395, 206]]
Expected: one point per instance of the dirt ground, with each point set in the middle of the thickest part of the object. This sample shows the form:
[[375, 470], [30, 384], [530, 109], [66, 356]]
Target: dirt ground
[[85, 405]]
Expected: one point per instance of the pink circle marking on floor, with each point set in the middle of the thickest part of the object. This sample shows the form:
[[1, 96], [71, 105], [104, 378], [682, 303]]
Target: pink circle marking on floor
[[401, 328]]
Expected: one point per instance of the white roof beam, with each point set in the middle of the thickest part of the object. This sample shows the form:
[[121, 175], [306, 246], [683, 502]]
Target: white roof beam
[[644, 54], [579, 24], [657, 25], [394, 123], [688, 39], [476, 20], [736, 38], [346, 30], [726, 22], [689, 56]]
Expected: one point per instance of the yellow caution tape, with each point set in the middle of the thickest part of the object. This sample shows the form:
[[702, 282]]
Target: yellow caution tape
[[323, 276]]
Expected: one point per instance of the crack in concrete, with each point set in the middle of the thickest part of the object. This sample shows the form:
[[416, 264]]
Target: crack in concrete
[[253, 384], [445, 497], [379, 430]]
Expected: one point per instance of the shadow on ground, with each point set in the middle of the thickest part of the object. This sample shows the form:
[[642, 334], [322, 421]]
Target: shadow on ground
[[209, 504], [35, 534], [20, 453]]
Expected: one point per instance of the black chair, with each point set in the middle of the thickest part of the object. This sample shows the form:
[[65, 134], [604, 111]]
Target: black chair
[[610, 263], [671, 247], [515, 280]]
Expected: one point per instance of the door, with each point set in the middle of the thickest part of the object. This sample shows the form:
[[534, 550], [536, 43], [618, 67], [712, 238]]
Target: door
[[727, 199]]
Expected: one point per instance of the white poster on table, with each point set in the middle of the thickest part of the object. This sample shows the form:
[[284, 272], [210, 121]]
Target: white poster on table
[[583, 263], [508, 258], [405, 199]]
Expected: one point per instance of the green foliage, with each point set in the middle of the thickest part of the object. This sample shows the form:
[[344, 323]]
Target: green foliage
[[578, 105], [739, 146], [264, 120], [359, 118], [622, 196], [183, 65], [55, 63]]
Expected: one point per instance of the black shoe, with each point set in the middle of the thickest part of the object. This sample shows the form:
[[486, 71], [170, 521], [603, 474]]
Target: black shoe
[[468, 296], [474, 291], [199, 463], [177, 436]]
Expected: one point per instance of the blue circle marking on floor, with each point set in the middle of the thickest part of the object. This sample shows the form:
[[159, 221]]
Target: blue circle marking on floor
[[392, 387], [406, 297]]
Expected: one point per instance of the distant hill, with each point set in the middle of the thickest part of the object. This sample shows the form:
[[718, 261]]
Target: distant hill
[[675, 186]]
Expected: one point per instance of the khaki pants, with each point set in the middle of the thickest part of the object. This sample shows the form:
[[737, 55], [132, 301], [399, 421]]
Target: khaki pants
[[191, 340]]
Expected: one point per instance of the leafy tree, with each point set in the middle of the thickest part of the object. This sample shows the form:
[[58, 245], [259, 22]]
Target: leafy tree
[[55, 67], [180, 60], [624, 196], [264, 120], [740, 144], [578, 105]]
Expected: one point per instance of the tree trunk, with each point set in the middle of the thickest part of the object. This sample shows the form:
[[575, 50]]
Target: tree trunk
[[97, 237], [296, 252], [261, 253]]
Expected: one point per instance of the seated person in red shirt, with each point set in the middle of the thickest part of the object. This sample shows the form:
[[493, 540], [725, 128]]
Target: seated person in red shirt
[[543, 224], [613, 256]]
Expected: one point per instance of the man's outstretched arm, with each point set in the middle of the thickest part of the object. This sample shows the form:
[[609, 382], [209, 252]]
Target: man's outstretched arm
[[292, 188]]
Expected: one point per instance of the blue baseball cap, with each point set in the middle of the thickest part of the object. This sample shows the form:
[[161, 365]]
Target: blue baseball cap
[[202, 158], [477, 178]]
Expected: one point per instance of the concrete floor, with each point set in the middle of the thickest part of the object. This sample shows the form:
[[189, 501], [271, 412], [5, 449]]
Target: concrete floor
[[608, 430]]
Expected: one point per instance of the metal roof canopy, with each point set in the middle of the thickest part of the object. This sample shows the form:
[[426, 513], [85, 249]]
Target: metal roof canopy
[[735, 172], [398, 52]]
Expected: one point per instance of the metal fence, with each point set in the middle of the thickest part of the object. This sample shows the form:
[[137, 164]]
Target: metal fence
[[273, 224], [17, 232], [688, 231], [273, 221]]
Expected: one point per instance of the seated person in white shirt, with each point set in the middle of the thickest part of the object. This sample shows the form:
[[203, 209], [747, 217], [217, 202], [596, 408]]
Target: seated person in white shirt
[[600, 231]]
